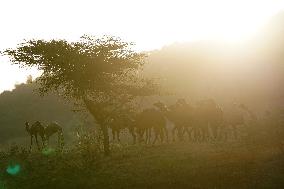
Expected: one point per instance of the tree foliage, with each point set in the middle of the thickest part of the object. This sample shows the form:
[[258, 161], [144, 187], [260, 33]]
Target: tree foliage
[[93, 66]]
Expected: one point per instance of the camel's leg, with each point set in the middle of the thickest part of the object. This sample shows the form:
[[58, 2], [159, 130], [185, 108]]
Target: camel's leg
[[179, 131], [37, 142], [214, 128], [58, 140], [118, 135], [202, 134], [47, 140], [31, 143], [199, 134], [150, 133], [131, 130], [161, 133], [149, 136], [194, 133], [167, 134], [220, 133], [205, 133], [146, 135], [141, 134], [189, 131], [113, 134], [223, 133], [42, 141], [156, 136], [62, 140], [185, 130], [174, 133]]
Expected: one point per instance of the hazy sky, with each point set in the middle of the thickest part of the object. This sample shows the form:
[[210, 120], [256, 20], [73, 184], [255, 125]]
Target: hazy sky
[[149, 23]]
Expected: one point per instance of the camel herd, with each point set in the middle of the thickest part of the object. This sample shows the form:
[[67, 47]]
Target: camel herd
[[202, 122]]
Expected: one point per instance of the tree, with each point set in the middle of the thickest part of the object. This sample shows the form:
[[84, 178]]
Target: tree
[[104, 74]]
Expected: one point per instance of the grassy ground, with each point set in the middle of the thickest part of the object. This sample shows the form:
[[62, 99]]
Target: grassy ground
[[179, 165]]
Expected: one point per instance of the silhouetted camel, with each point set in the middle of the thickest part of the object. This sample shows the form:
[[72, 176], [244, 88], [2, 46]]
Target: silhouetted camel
[[119, 123], [180, 114], [236, 118], [51, 129], [200, 122], [251, 115], [34, 130], [212, 117], [151, 119], [194, 121]]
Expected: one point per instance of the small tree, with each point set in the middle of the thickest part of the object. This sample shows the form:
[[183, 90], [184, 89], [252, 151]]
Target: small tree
[[104, 74]]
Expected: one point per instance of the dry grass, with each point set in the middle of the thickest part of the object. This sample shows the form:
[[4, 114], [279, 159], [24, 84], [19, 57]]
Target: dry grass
[[180, 165]]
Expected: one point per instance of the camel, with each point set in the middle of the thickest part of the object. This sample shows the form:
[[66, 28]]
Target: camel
[[212, 117], [179, 114], [251, 115], [151, 119], [217, 124], [119, 123], [44, 132], [51, 129], [236, 118], [200, 122], [34, 130], [193, 120]]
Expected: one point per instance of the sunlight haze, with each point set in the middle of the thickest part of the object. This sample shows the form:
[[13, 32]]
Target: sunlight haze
[[150, 24]]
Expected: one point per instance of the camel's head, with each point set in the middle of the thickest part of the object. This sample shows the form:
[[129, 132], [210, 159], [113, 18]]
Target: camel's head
[[161, 106], [181, 101], [27, 124], [242, 106]]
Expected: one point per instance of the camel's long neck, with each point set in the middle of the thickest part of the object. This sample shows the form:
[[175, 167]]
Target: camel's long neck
[[28, 128], [93, 109], [166, 113]]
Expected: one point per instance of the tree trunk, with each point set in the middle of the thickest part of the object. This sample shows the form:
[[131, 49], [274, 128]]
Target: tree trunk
[[96, 114], [105, 140]]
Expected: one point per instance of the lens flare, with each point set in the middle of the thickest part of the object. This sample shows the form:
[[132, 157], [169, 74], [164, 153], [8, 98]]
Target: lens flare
[[13, 169], [48, 151]]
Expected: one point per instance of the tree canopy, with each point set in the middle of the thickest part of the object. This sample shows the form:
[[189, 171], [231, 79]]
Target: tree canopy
[[90, 66]]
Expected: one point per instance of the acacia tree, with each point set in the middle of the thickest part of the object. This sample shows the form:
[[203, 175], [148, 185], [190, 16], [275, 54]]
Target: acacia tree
[[104, 74]]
